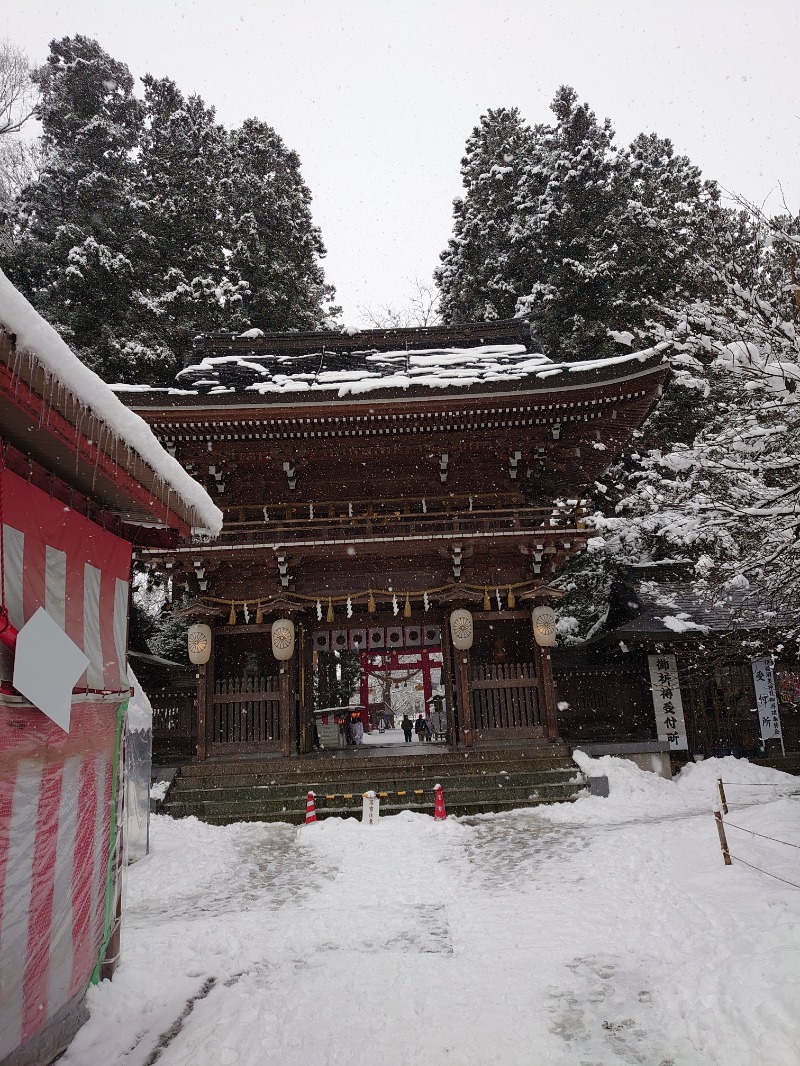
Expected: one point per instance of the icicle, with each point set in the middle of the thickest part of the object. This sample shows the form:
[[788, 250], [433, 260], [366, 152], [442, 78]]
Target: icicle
[[259, 616], [311, 510], [349, 510], [512, 599], [487, 606], [395, 607], [232, 616], [407, 608], [499, 601], [424, 507], [470, 503], [330, 615], [319, 611], [266, 514], [371, 603], [426, 603], [349, 608], [246, 614]]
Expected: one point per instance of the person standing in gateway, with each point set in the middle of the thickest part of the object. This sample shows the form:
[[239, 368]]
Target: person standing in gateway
[[407, 727]]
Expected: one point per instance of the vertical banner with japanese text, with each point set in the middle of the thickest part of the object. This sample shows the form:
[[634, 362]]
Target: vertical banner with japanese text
[[667, 701], [769, 718]]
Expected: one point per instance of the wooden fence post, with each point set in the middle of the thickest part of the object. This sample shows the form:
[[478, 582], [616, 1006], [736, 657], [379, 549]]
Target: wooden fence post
[[723, 801], [723, 840]]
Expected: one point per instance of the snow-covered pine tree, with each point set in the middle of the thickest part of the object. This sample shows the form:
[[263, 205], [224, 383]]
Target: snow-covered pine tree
[[274, 246], [480, 275], [566, 203], [74, 224], [184, 283]]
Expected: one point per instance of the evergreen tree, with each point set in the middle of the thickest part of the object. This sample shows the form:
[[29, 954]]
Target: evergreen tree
[[148, 222], [184, 284], [73, 226], [275, 248], [566, 204], [481, 275]]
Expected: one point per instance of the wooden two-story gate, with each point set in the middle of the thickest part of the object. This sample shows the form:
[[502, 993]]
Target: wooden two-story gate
[[374, 484]]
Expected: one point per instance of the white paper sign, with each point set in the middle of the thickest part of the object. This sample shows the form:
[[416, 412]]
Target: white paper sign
[[47, 666], [769, 717], [667, 701]]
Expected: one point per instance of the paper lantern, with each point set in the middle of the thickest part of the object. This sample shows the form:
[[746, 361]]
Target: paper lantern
[[544, 626], [283, 639], [461, 629], [199, 643]]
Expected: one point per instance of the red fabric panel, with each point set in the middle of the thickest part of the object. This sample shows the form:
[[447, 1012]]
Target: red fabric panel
[[83, 958], [111, 670], [34, 563], [33, 511], [7, 784], [41, 903]]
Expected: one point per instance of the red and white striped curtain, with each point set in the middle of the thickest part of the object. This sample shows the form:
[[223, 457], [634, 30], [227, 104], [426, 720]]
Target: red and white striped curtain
[[56, 788]]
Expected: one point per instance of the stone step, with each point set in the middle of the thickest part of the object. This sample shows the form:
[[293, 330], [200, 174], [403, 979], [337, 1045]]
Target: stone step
[[350, 758], [473, 798], [369, 776], [193, 791]]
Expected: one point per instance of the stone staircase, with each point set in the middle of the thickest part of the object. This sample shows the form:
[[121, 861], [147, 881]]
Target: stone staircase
[[274, 790]]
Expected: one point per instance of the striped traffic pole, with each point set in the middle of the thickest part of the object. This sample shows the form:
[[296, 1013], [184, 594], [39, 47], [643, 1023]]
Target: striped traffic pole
[[311, 811]]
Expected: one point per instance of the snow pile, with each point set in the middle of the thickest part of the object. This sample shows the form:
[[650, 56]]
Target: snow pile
[[41, 342], [140, 710]]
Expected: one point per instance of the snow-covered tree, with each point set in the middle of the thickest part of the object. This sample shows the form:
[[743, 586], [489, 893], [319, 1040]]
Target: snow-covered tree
[[274, 246], [73, 226], [148, 222], [480, 275]]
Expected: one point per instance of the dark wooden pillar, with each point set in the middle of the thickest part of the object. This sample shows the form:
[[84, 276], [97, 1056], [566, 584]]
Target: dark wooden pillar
[[464, 690], [544, 668], [305, 690], [287, 708], [205, 708]]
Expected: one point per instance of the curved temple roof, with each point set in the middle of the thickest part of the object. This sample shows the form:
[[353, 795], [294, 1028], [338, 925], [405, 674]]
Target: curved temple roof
[[243, 371]]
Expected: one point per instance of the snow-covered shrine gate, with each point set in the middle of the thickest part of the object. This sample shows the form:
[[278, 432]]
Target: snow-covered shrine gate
[[385, 480]]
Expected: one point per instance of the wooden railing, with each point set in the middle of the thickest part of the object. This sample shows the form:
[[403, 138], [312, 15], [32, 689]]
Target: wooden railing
[[505, 700], [523, 520], [246, 715]]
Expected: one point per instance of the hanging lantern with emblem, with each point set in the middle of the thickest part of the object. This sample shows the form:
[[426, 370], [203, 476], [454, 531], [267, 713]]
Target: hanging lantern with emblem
[[283, 639], [461, 629], [199, 643], [544, 626]]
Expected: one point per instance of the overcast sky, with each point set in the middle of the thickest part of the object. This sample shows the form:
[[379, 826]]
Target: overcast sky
[[379, 96]]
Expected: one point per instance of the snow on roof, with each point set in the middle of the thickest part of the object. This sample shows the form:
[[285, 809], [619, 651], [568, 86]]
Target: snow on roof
[[42, 343], [358, 372]]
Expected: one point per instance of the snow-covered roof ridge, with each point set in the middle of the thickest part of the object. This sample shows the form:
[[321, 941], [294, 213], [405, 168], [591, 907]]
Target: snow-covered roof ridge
[[38, 340], [357, 372]]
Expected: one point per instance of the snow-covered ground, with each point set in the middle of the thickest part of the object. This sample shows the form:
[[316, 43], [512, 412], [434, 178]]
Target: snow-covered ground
[[598, 933]]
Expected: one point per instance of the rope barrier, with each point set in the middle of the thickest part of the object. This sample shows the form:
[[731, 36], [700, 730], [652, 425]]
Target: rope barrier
[[765, 872], [756, 784], [763, 836], [382, 795]]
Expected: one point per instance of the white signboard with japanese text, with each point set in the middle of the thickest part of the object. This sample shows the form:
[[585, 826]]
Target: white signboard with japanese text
[[766, 700], [667, 701]]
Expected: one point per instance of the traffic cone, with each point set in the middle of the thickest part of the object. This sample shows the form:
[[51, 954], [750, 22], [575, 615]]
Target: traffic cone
[[311, 810], [439, 813]]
